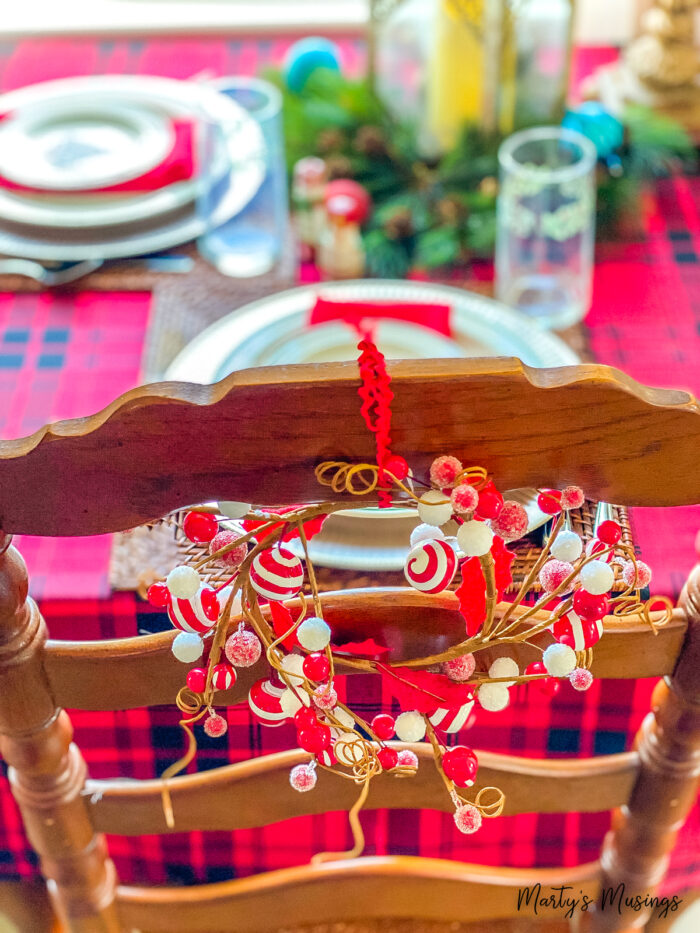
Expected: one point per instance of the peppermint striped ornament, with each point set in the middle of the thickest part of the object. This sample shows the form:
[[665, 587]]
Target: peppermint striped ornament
[[198, 614], [430, 566], [573, 631], [264, 702], [452, 720], [277, 574], [223, 676]]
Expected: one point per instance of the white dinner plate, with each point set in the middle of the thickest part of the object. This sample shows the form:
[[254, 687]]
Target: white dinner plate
[[245, 150], [75, 142], [275, 330]]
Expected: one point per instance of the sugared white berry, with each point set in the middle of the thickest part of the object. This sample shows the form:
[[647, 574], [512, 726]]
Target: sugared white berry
[[410, 726], [183, 582], [474, 539], [314, 634], [434, 508], [493, 697], [292, 665], [187, 647], [559, 660], [567, 546], [504, 667], [597, 577]]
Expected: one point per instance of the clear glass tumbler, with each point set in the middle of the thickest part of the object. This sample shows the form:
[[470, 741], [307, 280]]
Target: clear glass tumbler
[[546, 224], [251, 241]]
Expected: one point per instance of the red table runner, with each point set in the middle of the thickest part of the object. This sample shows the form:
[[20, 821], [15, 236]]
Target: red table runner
[[645, 319]]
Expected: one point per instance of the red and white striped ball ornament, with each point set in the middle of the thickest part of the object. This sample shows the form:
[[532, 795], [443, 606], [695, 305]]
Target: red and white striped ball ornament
[[277, 574], [198, 614], [430, 566], [264, 702], [575, 632], [223, 676], [452, 720]]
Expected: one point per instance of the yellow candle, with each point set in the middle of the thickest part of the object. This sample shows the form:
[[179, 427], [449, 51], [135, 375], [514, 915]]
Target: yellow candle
[[456, 67]]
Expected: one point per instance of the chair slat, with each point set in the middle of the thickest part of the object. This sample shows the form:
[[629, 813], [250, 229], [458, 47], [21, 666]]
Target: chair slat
[[169, 445], [257, 792], [135, 672], [398, 887]]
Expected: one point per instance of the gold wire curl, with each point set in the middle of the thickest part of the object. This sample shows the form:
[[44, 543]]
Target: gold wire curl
[[359, 479], [631, 605], [493, 809]]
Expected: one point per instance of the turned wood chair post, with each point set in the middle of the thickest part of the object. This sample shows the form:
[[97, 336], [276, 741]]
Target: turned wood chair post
[[636, 851], [46, 770]]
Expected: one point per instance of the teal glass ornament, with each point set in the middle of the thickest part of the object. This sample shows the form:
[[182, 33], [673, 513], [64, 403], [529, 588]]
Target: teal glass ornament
[[305, 56], [603, 129]]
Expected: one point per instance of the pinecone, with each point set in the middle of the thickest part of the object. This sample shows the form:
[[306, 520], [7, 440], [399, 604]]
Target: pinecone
[[370, 141], [451, 211], [331, 140], [338, 166], [400, 224]]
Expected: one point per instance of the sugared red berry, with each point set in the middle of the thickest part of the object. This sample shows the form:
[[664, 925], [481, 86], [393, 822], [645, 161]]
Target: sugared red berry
[[459, 669], [384, 727], [158, 595], [215, 726], [231, 559], [408, 758], [325, 696], [549, 501], [314, 738], [460, 765], [572, 497], [590, 607], [609, 532], [464, 499], [580, 678], [490, 502], [639, 578], [444, 470], [467, 819], [512, 521], [197, 680], [553, 574], [316, 667], [243, 648], [200, 527], [303, 778], [388, 758]]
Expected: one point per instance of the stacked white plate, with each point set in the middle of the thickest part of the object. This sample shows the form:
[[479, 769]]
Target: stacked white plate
[[68, 139], [276, 331]]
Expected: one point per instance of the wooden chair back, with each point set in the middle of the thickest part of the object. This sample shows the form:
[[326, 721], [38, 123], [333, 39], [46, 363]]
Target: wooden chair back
[[257, 436]]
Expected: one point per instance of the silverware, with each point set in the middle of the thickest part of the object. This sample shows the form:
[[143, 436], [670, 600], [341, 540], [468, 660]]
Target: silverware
[[58, 273]]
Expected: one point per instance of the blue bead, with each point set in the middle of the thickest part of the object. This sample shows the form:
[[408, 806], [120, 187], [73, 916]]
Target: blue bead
[[305, 56]]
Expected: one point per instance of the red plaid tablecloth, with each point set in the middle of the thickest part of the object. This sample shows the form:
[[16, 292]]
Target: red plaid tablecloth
[[645, 319]]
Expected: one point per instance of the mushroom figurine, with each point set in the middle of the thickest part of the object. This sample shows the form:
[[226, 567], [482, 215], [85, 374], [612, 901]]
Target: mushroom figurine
[[341, 252]]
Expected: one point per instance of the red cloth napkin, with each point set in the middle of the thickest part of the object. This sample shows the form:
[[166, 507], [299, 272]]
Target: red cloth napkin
[[433, 316], [178, 165]]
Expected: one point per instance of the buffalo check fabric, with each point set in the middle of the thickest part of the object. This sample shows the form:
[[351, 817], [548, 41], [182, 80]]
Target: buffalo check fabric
[[65, 356], [645, 318]]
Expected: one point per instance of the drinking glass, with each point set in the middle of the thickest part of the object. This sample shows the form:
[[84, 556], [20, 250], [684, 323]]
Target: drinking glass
[[251, 242], [546, 224]]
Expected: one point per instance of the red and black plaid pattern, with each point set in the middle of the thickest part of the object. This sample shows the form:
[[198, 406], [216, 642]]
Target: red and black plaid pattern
[[65, 356], [645, 319]]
